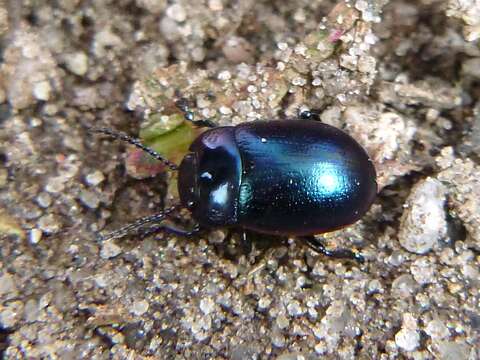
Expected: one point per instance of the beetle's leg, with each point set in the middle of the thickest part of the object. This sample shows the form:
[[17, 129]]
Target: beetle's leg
[[245, 242], [309, 114], [318, 246], [136, 142], [171, 229], [182, 105], [202, 123], [137, 224]]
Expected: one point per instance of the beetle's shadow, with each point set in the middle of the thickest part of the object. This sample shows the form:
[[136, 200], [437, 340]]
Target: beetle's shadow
[[240, 242]]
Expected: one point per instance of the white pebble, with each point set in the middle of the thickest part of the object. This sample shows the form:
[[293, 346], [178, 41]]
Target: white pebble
[[95, 178], [77, 63], [264, 303], [407, 340], [41, 90], [282, 321], [89, 199], [35, 236], [177, 13], [140, 307], [207, 305], [49, 224], [423, 222], [8, 286], [110, 249], [294, 308], [437, 330], [224, 75], [215, 5], [10, 314], [423, 271]]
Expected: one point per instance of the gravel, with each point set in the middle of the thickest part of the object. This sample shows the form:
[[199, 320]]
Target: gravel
[[400, 77]]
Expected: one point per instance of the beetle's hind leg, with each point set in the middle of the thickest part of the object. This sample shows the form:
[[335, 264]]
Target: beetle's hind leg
[[182, 105], [319, 247]]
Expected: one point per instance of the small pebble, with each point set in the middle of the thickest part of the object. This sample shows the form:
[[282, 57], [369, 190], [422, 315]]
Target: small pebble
[[7, 285], [44, 200], [41, 90], [404, 286], [31, 311], [110, 249], [49, 224], [216, 236], [118, 338], [101, 280], [95, 178], [77, 63], [321, 348], [35, 236], [278, 339], [264, 303], [408, 338], [55, 185], [176, 12], [294, 308], [215, 5], [374, 286], [207, 305], [89, 199], [3, 177], [450, 350], [437, 330], [471, 272], [471, 67], [423, 271], [10, 314], [140, 307], [238, 50], [423, 221], [282, 321], [224, 75]]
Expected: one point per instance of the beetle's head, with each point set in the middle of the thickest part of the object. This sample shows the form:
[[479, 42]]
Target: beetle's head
[[209, 178]]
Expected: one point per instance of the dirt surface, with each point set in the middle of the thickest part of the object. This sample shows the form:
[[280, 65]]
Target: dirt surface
[[403, 78]]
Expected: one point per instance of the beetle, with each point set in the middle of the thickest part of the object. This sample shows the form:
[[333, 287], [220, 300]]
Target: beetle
[[283, 177]]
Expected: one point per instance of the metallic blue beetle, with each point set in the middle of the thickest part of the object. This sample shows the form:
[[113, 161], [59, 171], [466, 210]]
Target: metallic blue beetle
[[292, 178]]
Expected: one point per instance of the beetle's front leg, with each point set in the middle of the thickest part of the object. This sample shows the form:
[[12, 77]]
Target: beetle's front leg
[[318, 246], [182, 105], [307, 114]]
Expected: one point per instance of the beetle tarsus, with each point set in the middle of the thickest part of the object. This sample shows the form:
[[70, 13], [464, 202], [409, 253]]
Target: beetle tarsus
[[319, 247], [136, 142], [136, 225], [202, 123], [309, 115], [182, 105]]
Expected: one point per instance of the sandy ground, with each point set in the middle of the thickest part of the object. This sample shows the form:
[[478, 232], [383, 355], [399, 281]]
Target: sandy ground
[[403, 78]]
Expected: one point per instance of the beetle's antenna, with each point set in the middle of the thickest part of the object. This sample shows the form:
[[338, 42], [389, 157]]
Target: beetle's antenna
[[171, 229], [137, 224], [136, 142]]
